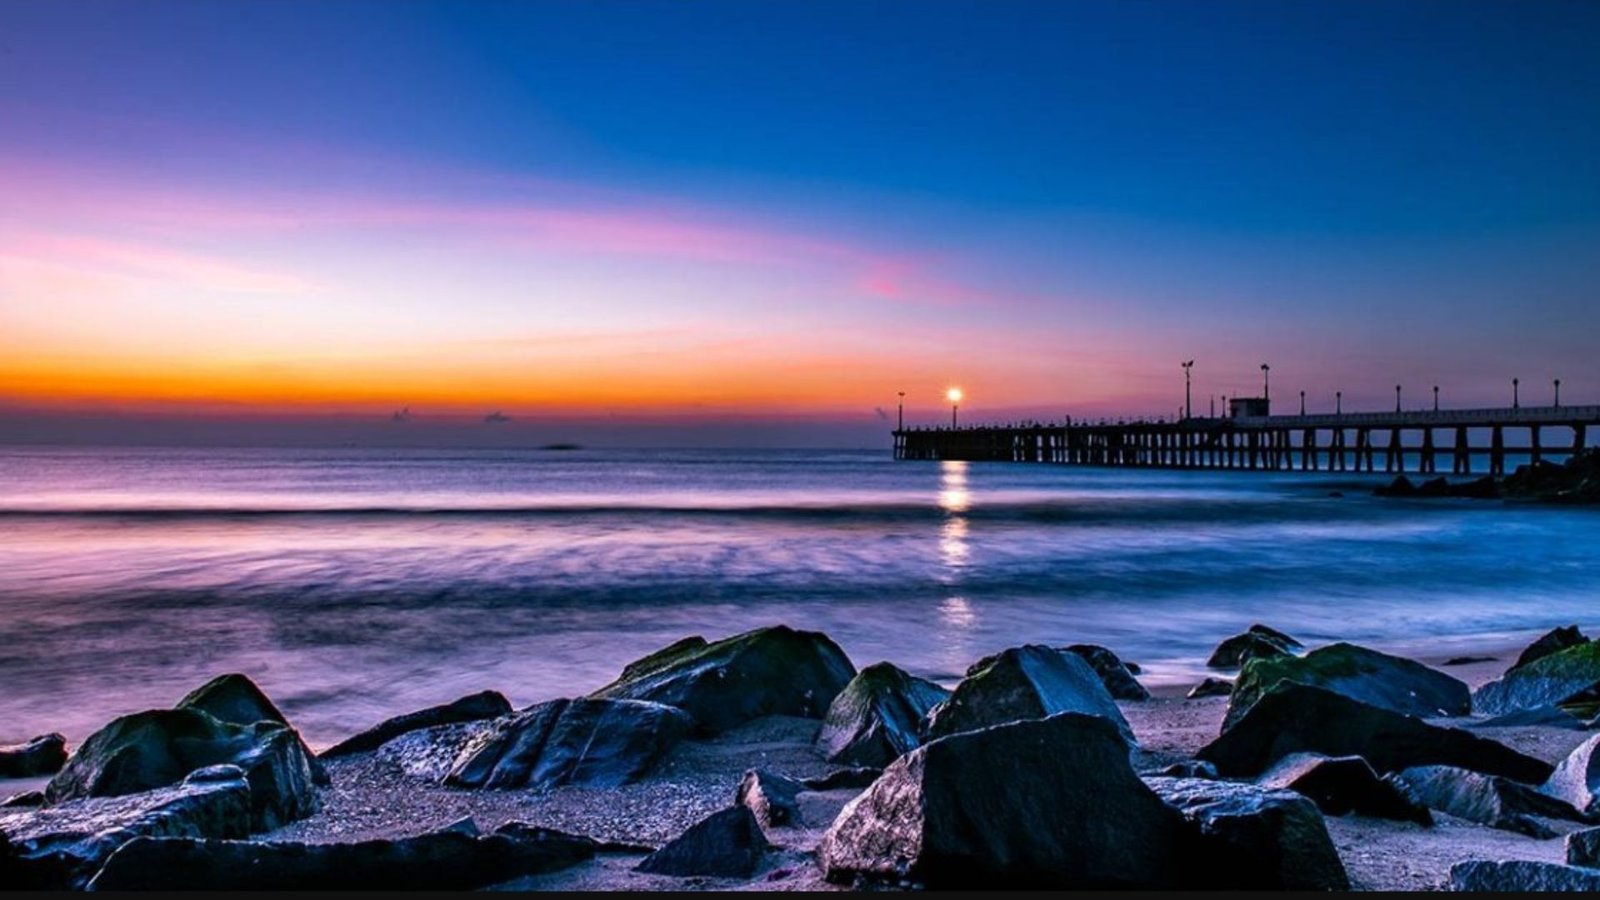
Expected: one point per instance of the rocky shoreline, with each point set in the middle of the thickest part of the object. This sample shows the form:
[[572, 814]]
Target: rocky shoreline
[[767, 761]]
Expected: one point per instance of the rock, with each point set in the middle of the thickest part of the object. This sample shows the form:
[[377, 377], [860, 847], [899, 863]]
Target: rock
[[455, 858], [1583, 848], [766, 672], [471, 708], [1033, 803], [63, 845], [1575, 481], [1486, 799], [1552, 641], [1480, 876], [1577, 779], [1211, 687], [1344, 785], [235, 699], [1257, 642], [727, 844], [771, 798], [1401, 486], [24, 798], [1301, 718], [877, 717], [602, 743], [1255, 838], [44, 755], [1378, 679], [1466, 660], [1485, 488], [1029, 682], [1114, 674], [1569, 676], [857, 777], [1190, 768], [1547, 716]]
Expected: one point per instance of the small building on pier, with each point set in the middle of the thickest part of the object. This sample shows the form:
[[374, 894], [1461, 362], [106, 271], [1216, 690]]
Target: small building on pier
[[1249, 407]]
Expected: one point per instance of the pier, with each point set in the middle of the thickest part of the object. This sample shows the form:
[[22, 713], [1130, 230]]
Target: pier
[[1337, 442]]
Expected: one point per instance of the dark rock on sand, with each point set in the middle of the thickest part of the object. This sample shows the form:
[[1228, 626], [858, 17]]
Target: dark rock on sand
[[727, 844], [586, 742], [1035, 803], [771, 798], [1546, 716], [769, 671], [1343, 785], [1577, 779], [1029, 682], [160, 747], [1385, 681], [1466, 660], [63, 845], [1552, 641], [471, 708], [23, 799], [1211, 687], [1113, 672], [455, 858], [1570, 676], [1583, 848], [877, 717], [1300, 718], [854, 777], [1257, 642], [44, 755], [235, 699], [1190, 768], [1255, 838], [1486, 799], [1481, 876], [1575, 481]]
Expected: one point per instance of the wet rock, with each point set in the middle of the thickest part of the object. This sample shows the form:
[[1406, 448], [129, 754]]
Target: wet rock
[[1401, 486], [877, 717], [1257, 642], [455, 858], [727, 844], [1570, 676], [1577, 779], [1583, 848], [161, 747], [1029, 682], [44, 755], [769, 671], [1378, 679], [1481, 876], [1034, 803], [1211, 687], [1299, 718], [471, 708], [588, 742], [63, 845], [1552, 641], [1466, 660], [1114, 674], [1255, 838], [237, 700], [1344, 785], [22, 799], [855, 777], [1547, 716], [1191, 768], [1575, 481], [1486, 799], [771, 798]]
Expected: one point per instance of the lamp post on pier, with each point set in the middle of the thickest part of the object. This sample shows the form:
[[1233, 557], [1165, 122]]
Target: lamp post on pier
[[900, 418], [955, 403], [1558, 393], [1302, 403], [1188, 397], [1436, 398], [1516, 401], [1266, 382], [1338, 403], [1397, 398]]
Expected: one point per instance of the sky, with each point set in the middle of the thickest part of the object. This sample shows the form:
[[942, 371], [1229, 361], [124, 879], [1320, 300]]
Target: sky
[[757, 223]]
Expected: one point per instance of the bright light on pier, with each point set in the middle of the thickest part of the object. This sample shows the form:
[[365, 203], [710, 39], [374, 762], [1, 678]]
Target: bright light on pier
[[954, 394]]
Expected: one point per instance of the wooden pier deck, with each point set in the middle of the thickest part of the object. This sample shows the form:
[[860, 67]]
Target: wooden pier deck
[[1355, 441]]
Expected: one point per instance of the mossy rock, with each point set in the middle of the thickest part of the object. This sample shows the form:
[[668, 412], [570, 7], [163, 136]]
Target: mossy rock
[[877, 717], [1029, 682], [1389, 682], [1568, 678]]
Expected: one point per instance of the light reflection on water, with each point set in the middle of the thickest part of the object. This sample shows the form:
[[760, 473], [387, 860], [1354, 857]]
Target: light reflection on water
[[136, 574]]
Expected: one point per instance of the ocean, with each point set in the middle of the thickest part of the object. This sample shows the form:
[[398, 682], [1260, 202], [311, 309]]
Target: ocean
[[357, 584]]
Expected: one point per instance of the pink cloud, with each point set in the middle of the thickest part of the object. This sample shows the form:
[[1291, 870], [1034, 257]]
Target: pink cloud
[[139, 260]]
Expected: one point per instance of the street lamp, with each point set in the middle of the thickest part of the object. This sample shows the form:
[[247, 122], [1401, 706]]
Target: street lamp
[[1302, 403], [1338, 403], [1436, 398], [955, 403], [1397, 398], [1558, 392], [900, 420], [1188, 398], [1266, 382], [1516, 400]]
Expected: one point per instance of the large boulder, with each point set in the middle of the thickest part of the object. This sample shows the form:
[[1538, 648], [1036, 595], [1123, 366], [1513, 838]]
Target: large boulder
[[1113, 672], [602, 743], [1299, 718], [1553, 641], [1487, 799], [471, 708], [1035, 803], [726, 844], [1378, 679], [1257, 642], [1520, 876], [454, 858], [1577, 779], [1343, 785], [1583, 848], [772, 798], [44, 755], [62, 846], [1210, 687], [235, 699], [766, 672], [1570, 676], [1029, 682], [1255, 838], [160, 747], [877, 717]]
